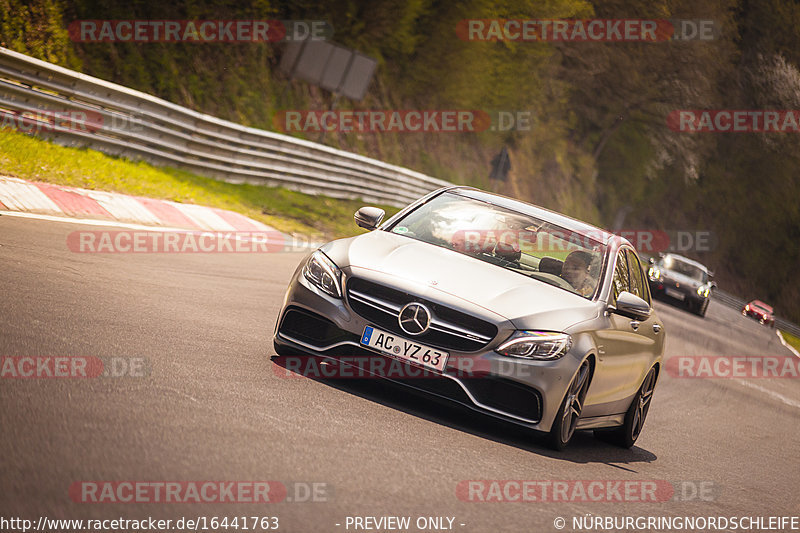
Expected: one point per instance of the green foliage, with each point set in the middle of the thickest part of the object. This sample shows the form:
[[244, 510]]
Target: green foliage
[[772, 27], [292, 212], [622, 169], [36, 28]]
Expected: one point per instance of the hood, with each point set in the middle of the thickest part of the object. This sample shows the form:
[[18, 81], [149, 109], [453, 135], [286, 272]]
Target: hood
[[447, 276], [671, 275]]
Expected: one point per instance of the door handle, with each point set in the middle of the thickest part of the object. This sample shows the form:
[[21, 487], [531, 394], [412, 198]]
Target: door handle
[[657, 328], [635, 324]]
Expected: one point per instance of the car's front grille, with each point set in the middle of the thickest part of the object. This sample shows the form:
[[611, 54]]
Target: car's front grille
[[449, 329]]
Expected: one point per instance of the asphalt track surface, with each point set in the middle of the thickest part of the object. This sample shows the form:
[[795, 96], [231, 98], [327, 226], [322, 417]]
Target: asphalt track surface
[[214, 407]]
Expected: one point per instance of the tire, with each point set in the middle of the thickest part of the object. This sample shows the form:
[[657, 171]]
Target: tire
[[571, 407], [625, 436], [702, 308]]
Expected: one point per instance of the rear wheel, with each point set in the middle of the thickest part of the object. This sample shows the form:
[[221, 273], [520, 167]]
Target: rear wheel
[[571, 408], [626, 435]]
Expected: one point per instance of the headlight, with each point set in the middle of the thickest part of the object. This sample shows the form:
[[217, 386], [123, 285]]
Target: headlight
[[654, 273], [324, 274], [543, 345], [703, 290]]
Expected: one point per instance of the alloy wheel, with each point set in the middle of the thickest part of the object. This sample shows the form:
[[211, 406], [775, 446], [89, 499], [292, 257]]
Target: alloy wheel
[[574, 402]]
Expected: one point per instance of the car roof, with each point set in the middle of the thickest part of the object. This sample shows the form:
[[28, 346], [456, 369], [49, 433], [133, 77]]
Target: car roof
[[565, 222], [759, 303], [690, 261]]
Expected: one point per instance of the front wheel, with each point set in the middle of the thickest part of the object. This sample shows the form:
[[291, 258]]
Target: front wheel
[[571, 408], [702, 308], [626, 435]]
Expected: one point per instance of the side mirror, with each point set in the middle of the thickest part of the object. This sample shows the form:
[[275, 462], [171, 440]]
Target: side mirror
[[713, 284], [652, 260], [369, 217], [631, 306]]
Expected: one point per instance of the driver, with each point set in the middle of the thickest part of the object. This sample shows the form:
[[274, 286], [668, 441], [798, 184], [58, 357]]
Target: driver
[[473, 242], [508, 247], [576, 272]]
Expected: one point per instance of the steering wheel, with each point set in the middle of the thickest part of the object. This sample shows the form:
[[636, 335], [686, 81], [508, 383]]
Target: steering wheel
[[553, 280]]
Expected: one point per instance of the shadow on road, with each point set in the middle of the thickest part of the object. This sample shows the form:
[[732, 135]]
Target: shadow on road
[[583, 448]]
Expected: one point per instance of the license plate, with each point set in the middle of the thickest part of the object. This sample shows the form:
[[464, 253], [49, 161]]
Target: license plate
[[675, 294], [404, 349]]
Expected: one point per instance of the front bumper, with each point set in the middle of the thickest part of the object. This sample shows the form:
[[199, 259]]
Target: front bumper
[[676, 291], [524, 392]]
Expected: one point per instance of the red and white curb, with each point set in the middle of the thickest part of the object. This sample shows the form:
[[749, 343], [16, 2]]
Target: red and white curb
[[17, 195]]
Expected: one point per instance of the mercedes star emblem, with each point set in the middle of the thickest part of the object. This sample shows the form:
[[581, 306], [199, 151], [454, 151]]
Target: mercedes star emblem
[[414, 318]]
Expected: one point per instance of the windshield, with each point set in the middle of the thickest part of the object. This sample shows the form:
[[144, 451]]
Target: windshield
[[507, 239], [682, 267]]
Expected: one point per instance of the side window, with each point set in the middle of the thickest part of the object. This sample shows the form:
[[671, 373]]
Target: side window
[[621, 281], [638, 283]]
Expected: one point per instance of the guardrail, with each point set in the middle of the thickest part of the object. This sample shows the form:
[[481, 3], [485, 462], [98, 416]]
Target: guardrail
[[136, 125]]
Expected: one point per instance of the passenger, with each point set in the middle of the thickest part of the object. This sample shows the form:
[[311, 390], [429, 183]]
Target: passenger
[[576, 272]]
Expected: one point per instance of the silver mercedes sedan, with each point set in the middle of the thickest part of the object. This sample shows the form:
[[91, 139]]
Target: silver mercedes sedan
[[510, 309]]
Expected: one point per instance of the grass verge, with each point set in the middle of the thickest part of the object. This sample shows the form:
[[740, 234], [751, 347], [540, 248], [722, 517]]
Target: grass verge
[[791, 339], [34, 159]]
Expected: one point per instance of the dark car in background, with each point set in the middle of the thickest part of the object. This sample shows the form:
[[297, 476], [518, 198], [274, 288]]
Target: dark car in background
[[679, 278], [762, 312]]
